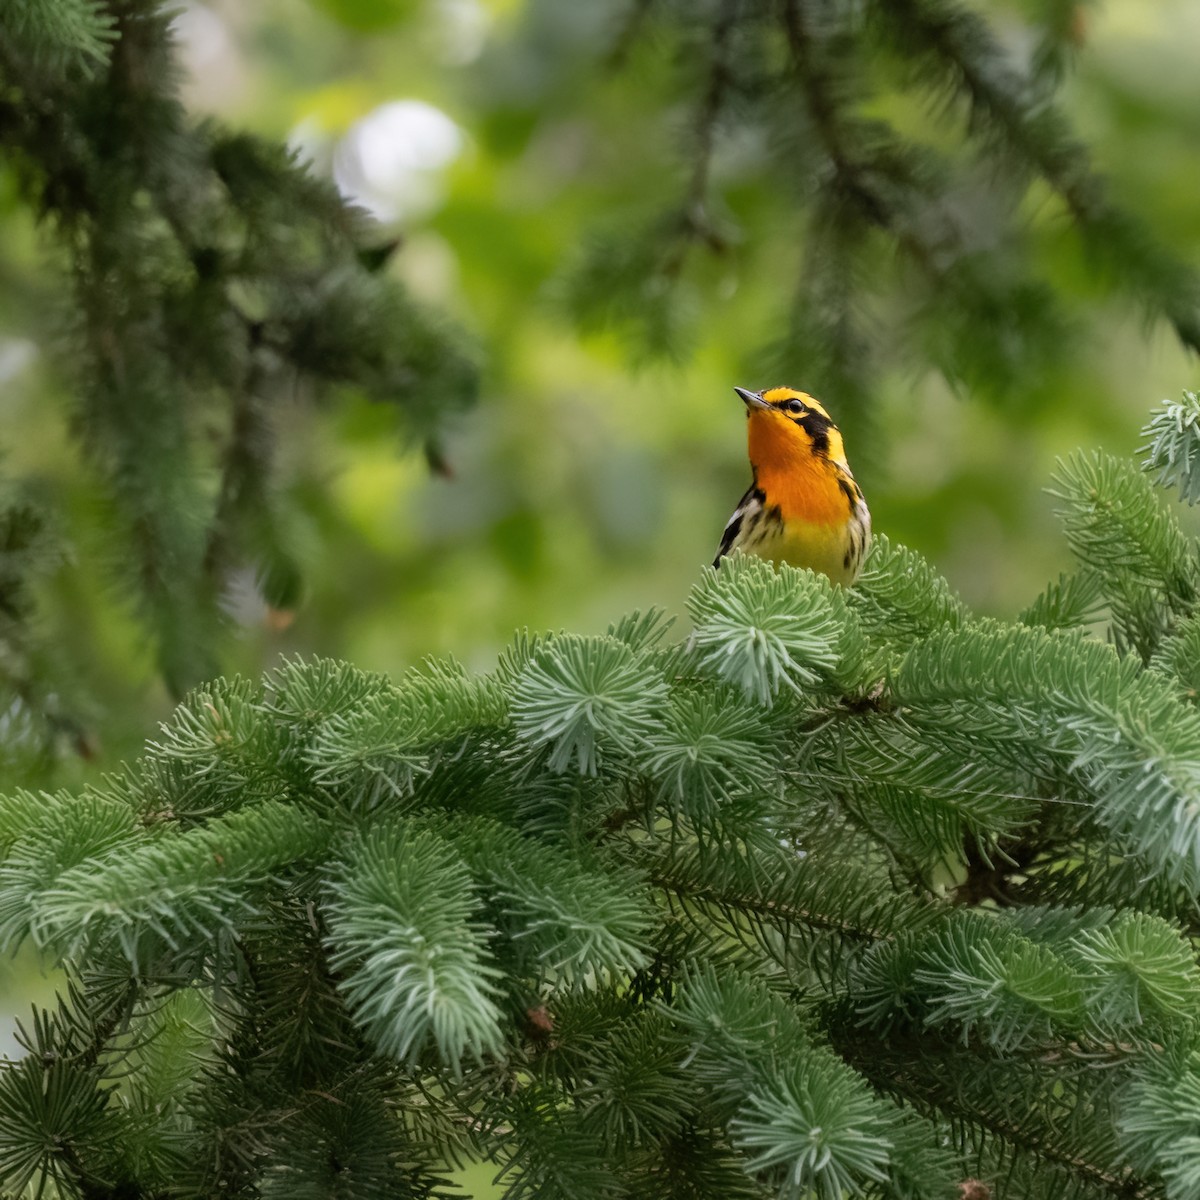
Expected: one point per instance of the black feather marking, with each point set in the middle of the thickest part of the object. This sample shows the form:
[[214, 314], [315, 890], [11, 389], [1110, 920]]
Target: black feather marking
[[727, 538], [817, 426], [747, 505]]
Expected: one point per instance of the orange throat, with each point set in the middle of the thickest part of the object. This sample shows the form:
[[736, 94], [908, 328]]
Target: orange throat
[[803, 484]]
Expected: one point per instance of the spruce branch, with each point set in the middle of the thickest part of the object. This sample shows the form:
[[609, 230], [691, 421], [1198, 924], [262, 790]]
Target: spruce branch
[[711, 747], [877, 181], [404, 930], [822, 85], [374, 751], [50, 840], [1138, 969], [1172, 446], [783, 888], [812, 78], [1178, 656], [828, 341], [901, 596], [236, 277], [55, 38], [1158, 1120], [38, 720], [1123, 732], [694, 223], [633, 917], [46, 1112], [217, 737], [554, 1154], [800, 1115], [1019, 994], [585, 699], [1035, 1127], [640, 1092], [1072, 602], [633, 280], [764, 629], [568, 922], [824, 1148], [1116, 525], [302, 694], [171, 890], [948, 36], [642, 630]]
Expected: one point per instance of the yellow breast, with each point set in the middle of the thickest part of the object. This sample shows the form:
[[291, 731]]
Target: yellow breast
[[830, 549]]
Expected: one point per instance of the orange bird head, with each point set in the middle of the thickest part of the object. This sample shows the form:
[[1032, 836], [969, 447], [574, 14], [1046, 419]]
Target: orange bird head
[[788, 429]]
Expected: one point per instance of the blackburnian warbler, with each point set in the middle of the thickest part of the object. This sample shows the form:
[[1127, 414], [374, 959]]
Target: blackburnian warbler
[[803, 506]]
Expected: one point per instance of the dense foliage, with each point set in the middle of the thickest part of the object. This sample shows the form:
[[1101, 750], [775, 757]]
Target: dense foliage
[[212, 276], [842, 892]]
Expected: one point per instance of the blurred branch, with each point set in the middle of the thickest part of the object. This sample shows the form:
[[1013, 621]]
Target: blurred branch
[[627, 35], [985, 318], [211, 272], [694, 223], [819, 88], [971, 62]]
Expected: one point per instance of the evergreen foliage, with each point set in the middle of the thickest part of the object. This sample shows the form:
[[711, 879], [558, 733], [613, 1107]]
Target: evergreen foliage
[[839, 893], [1173, 446], [35, 718], [843, 893], [211, 277], [923, 229]]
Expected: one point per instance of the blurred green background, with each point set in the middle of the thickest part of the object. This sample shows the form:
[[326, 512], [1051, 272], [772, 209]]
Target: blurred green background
[[492, 138]]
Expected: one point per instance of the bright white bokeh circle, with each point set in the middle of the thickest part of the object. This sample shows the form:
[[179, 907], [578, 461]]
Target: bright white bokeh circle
[[391, 161]]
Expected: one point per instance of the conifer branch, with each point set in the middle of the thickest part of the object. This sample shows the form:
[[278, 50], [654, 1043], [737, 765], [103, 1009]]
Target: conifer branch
[[168, 226], [819, 89], [929, 1089], [1172, 446], [1037, 134], [775, 888], [879, 182], [980, 315], [694, 222], [245, 466], [630, 29]]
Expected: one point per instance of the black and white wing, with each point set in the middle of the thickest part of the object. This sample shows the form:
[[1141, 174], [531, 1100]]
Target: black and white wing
[[746, 516]]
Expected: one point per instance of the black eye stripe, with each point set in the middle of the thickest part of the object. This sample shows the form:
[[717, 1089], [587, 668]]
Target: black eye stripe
[[815, 423], [817, 427]]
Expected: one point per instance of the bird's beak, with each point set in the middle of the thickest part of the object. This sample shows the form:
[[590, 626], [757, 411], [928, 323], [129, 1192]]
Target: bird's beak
[[751, 399]]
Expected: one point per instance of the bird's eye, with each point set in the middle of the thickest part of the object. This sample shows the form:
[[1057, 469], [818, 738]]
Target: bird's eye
[[795, 406]]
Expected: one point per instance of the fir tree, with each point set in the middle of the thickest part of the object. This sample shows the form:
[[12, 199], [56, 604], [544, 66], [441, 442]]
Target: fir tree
[[211, 276], [840, 893], [920, 236]]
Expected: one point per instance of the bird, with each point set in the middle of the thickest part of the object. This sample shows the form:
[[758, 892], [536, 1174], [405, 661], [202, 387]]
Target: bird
[[803, 505]]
